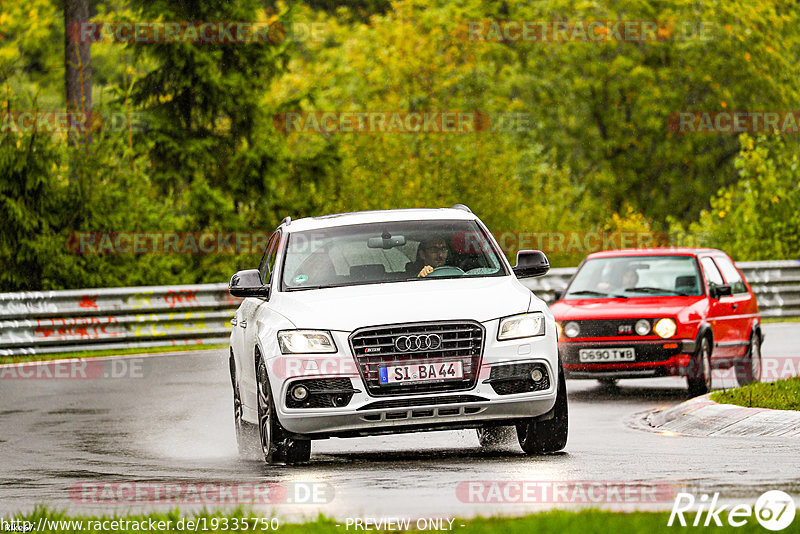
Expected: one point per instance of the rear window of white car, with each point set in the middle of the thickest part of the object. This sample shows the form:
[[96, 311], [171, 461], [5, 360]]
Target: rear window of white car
[[387, 252]]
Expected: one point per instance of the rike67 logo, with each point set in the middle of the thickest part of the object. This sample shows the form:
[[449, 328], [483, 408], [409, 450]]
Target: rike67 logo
[[774, 510]]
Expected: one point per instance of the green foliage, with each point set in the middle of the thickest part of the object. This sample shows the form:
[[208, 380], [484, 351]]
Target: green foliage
[[594, 152], [758, 217], [28, 209], [604, 107]]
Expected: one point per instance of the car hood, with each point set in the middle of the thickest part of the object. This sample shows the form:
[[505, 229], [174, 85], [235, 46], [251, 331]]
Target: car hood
[[348, 308], [564, 310]]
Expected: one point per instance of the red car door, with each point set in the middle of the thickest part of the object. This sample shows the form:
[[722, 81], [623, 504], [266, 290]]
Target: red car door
[[720, 312], [744, 305]]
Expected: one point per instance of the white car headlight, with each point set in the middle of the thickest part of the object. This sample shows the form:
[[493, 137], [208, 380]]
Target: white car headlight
[[525, 325], [665, 328], [306, 341]]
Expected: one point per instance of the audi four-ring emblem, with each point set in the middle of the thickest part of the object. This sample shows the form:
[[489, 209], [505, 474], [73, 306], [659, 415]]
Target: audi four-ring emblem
[[418, 342]]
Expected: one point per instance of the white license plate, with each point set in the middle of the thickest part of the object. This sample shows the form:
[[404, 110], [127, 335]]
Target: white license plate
[[606, 355], [421, 372]]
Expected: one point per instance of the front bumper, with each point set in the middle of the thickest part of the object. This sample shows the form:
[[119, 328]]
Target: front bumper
[[466, 412], [653, 358], [366, 414]]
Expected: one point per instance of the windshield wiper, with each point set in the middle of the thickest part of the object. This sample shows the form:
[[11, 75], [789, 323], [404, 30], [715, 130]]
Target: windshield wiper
[[656, 290], [596, 293]]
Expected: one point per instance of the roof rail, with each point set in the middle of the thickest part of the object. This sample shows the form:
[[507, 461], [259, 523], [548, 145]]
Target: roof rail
[[461, 207], [287, 220]]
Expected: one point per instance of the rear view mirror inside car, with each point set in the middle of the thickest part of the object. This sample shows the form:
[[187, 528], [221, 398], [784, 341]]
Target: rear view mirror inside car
[[386, 242]]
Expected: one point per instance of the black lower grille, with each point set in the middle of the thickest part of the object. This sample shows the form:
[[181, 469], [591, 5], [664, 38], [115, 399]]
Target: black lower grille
[[608, 327], [516, 378], [418, 343], [322, 393], [427, 401]]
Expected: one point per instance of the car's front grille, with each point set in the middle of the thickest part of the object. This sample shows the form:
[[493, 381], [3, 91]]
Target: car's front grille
[[607, 328], [380, 346]]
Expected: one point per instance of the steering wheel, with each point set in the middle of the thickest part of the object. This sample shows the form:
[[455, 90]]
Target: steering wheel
[[446, 270]]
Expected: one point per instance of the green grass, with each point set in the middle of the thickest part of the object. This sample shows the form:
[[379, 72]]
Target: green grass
[[108, 352], [555, 522], [781, 320], [778, 395]]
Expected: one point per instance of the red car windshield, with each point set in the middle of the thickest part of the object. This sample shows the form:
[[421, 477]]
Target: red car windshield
[[636, 276]]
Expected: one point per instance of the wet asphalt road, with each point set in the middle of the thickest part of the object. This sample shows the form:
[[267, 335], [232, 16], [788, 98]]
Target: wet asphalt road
[[171, 422]]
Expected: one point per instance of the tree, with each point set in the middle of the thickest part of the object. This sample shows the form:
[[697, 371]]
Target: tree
[[77, 61], [758, 217]]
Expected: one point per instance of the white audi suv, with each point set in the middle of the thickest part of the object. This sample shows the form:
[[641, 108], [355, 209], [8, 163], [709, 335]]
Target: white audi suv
[[392, 321]]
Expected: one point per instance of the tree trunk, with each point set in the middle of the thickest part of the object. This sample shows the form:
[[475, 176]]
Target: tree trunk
[[77, 65]]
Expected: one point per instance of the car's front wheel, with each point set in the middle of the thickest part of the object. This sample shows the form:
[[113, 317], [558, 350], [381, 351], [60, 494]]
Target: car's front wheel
[[749, 369], [699, 372], [550, 435], [246, 433], [276, 445]]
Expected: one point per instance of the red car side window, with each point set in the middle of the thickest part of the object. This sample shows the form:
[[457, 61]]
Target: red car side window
[[731, 274], [713, 277]]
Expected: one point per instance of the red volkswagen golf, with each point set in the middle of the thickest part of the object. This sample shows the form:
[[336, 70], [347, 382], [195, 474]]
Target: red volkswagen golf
[[657, 312]]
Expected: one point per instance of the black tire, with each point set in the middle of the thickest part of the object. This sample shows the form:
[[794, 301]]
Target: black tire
[[276, 445], [749, 369], [493, 436], [246, 433], [608, 382], [698, 377], [550, 435]]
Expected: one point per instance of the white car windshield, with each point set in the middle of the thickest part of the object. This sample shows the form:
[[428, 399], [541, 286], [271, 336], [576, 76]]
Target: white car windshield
[[388, 252], [636, 276]]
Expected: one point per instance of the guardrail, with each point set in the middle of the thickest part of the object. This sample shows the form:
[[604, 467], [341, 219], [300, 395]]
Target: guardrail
[[44, 322], [776, 285]]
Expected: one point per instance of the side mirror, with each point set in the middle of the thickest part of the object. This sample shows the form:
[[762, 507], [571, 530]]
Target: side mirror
[[723, 290], [558, 293], [247, 283], [531, 263]]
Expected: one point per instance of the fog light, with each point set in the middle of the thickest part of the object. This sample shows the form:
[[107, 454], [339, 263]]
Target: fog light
[[536, 375], [300, 393]]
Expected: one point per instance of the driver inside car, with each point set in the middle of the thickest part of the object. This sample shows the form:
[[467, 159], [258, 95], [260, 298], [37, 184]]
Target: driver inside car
[[432, 253]]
